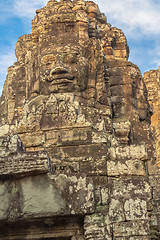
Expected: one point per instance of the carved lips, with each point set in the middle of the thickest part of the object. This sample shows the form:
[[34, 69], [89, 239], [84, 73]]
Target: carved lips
[[60, 76]]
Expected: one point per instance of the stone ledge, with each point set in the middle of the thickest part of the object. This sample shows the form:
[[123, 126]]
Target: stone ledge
[[129, 152], [24, 163], [14, 161], [46, 195]]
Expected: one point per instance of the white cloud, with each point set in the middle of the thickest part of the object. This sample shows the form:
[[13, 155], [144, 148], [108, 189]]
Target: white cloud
[[27, 8], [155, 55], [24, 9], [139, 20], [6, 60], [133, 15], [19, 8], [5, 11]]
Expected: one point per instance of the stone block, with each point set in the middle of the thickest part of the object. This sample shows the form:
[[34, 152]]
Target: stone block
[[32, 139], [10, 145], [98, 168], [94, 219], [129, 188], [155, 184], [67, 137], [94, 227], [135, 209], [131, 228], [62, 195], [23, 164], [122, 128], [4, 200], [129, 152], [126, 167], [116, 212], [99, 137], [156, 206], [64, 167], [85, 151], [152, 167], [100, 181], [133, 238], [4, 130], [104, 195]]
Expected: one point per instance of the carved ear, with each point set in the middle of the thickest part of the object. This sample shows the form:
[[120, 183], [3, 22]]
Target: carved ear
[[35, 90], [142, 106], [23, 45]]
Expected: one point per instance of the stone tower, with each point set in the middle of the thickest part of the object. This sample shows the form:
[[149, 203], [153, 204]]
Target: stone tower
[[77, 157]]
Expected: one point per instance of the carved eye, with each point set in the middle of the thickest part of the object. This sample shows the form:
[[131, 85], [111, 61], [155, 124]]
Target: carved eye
[[48, 60], [70, 58], [48, 63]]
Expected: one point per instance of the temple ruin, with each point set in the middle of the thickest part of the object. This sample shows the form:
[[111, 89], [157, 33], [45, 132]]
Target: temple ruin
[[77, 147]]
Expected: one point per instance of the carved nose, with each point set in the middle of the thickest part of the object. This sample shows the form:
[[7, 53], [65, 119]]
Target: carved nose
[[58, 70]]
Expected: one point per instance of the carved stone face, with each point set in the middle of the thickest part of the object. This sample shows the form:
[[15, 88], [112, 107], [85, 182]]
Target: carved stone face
[[63, 69]]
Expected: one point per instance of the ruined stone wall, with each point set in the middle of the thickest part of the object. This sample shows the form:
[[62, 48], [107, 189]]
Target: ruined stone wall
[[77, 151]]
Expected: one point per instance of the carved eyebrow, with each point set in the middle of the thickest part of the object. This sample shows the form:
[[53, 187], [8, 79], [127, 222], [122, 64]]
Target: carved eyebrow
[[52, 56], [47, 58], [71, 51]]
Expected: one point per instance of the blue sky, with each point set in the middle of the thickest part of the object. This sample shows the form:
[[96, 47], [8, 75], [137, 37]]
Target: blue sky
[[138, 19]]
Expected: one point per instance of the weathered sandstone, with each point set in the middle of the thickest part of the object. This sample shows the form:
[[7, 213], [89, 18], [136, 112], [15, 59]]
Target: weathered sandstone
[[152, 82], [77, 152]]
